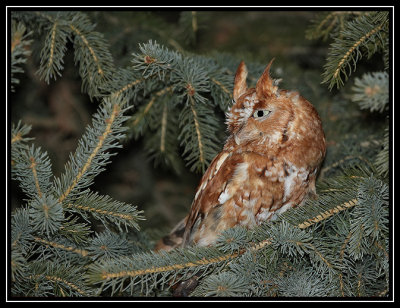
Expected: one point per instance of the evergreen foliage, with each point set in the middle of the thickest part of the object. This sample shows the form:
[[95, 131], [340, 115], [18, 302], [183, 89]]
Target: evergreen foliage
[[19, 52], [371, 91], [364, 35], [335, 246], [50, 235]]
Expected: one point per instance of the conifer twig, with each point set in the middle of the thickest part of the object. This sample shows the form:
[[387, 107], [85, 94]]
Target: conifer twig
[[95, 210], [222, 87], [92, 52], [53, 39], [327, 214], [168, 268], [81, 252], [199, 136], [163, 128], [127, 87], [150, 104], [356, 45], [35, 177], [57, 279], [107, 131]]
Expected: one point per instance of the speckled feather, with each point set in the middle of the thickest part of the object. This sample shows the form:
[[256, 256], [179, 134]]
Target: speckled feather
[[268, 164]]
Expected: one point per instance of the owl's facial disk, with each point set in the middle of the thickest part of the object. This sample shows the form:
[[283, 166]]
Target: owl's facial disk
[[257, 114], [259, 120], [250, 103]]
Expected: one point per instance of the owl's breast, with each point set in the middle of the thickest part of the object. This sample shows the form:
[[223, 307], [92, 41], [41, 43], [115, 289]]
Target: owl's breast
[[268, 188], [246, 189], [259, 189]]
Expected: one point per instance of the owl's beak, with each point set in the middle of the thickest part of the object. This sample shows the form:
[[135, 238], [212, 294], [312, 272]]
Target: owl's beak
[[237, 135], [245, 132]]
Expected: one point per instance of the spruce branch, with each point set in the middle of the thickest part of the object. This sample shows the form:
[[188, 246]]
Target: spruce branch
[[42, 231], [61, 246], [192, 81], [75, 231], [52, 54], [285, 238], [369, 219], [364, 35], [330, 24], [46, 214], [18, 142], [19, 49], [104, 209], [143, 268], [372, 91], [92, 53], [163, 128], [161, 143], [325, 215], [189, 26], [198, 135], [32, 169], [93, 150], [142, 118], [18, 132], [55, 279], [108, 245], [154, 60], [224, 284], [382, 158], [248, 275], [18, 265], [152, 270], [341, 261], [303, 283], [221, 89], [126, 84], [21, 231]]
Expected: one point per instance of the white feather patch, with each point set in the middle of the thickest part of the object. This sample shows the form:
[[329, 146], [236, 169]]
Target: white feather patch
[[217, 167], [223, 197], [220, 162], [294, 174], [240, 175]]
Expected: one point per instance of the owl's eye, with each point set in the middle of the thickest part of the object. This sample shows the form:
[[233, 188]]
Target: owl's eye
[[261, 113]]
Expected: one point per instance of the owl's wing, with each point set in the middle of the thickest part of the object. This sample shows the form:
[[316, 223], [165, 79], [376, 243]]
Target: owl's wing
[[212, 184]]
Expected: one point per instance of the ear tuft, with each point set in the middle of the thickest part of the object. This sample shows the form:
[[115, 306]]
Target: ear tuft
[[240, 85], [265, 85]]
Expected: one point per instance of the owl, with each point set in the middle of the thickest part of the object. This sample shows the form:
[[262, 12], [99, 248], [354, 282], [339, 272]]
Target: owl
[[268, 164]]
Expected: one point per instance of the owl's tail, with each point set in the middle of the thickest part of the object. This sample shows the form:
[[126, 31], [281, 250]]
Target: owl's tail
[[174, 239]]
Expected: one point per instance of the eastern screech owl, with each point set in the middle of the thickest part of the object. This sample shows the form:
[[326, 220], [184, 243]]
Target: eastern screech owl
[[268, 164]]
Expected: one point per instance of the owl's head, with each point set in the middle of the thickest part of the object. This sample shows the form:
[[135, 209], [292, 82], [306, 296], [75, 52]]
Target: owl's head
[[267, 115]]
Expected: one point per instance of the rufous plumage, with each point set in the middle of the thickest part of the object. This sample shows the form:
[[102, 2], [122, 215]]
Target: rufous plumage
[[269, 163]]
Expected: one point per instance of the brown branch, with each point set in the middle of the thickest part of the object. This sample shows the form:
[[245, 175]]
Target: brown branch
[[53, 38], [163, 128], [85, 41], [355, 45], [328, 213], [35, 177], [57, 279], [99, 211], [81, 252], [196, 123]]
